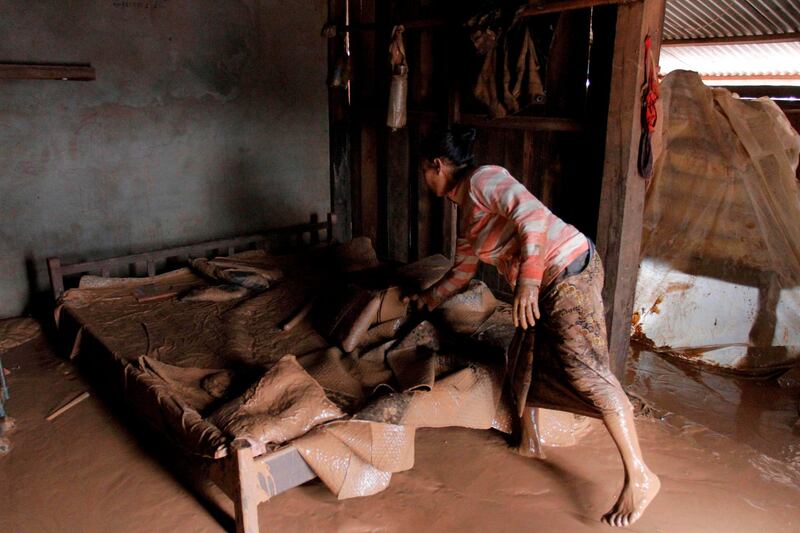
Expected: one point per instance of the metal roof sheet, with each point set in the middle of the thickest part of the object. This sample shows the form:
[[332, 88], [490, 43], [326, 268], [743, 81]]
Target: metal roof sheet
[[759, 60], [702, 19]]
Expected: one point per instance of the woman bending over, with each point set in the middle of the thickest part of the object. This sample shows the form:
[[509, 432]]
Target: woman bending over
[[557, 277]]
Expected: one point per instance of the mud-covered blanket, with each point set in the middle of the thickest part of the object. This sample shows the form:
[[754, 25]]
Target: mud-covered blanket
[[226, 370]]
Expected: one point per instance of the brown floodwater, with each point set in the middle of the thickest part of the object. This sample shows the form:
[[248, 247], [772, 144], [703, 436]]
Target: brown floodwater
[[724, 448]]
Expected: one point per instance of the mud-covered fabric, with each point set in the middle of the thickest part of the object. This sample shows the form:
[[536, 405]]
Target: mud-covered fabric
[[563, 363]]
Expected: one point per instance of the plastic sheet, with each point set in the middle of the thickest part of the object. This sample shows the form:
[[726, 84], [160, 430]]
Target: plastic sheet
[[182, 361], [720, 269], [284, 404]]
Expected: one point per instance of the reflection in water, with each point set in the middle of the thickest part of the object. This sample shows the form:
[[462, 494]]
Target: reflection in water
[[758, 413]]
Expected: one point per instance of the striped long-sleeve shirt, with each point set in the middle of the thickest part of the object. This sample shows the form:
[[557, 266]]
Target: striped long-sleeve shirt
[[506, 226]]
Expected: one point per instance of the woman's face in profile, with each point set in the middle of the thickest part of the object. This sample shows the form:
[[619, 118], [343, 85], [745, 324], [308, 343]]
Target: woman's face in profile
[[435, 173]]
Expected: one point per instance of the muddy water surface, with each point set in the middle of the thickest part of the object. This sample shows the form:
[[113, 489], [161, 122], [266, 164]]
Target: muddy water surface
[[87, 471]]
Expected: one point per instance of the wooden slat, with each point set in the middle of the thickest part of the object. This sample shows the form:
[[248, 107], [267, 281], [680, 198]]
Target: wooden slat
[[195, 250], [289, 468], [57, 270], [544, 7], [340, 123], [523, 123], [56, 276], [397, 195], [20, 71], [619, 232], [409, 24], [565, 80]]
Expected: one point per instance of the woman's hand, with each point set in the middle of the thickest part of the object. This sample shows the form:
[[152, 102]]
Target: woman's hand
[[526, 304], [417, 302]]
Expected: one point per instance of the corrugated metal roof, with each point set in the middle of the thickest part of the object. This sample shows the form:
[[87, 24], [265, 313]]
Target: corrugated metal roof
[[701, 19], [758, 60]]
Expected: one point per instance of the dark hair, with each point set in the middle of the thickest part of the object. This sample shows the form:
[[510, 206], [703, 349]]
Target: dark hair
[[454, 143]]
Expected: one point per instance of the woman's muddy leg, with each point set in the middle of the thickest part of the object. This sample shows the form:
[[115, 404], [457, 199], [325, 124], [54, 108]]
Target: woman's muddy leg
[[641, 484], [530, 444]]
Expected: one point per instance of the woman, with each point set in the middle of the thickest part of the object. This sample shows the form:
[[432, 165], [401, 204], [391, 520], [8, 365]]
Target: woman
[[558, 280]]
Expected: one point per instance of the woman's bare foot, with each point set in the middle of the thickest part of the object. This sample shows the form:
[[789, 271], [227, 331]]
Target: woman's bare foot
[[636, 495]]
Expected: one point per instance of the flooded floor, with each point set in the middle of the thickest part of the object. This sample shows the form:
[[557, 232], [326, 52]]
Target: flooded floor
[[757, 413], [726, 451]]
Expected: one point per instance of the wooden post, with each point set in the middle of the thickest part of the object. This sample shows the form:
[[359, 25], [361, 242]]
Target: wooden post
[[619, 225], [56, 277], [340, 119], [329, 230], [314, 233], [245, 503]]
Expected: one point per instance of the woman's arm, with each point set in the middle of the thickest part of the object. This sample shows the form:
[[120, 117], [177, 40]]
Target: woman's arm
[[498, 192], [463, 270]]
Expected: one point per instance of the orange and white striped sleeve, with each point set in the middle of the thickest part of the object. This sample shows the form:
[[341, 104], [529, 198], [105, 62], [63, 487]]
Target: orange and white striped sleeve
[[463, 270], [495, 190]]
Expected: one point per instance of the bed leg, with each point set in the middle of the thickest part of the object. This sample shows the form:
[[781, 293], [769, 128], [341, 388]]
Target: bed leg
[[56, 278], [245, 501]]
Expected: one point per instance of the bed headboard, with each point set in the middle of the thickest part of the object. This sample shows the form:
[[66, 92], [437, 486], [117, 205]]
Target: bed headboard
[[297, 233]]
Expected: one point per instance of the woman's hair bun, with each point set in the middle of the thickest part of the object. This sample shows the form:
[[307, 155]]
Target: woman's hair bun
[[467, 134], [454, 143]]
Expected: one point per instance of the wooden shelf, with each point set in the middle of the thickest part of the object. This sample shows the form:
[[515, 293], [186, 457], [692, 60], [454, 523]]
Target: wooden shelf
[[545, 7], [21, 71], [523, 123], [516, 122]]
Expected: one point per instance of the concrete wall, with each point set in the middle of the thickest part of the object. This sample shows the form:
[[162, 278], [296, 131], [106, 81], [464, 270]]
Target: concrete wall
[[208, 118]]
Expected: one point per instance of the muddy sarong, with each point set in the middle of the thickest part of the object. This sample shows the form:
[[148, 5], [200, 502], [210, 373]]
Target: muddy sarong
[[563, 362]]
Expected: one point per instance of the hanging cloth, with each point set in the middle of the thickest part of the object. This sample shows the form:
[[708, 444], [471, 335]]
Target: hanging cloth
[[398, 90], [650, 94], [517, 84]]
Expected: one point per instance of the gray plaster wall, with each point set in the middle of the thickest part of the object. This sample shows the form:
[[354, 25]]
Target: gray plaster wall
[[208, 118]]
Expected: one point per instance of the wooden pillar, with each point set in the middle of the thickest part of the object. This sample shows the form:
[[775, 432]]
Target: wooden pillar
[[340, 120], [619, 225]]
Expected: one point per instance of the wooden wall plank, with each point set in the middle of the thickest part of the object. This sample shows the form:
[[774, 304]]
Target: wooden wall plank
[[619, 232], [565, 81], [365, 124], [340, 141], [21, 71], [397, 195]]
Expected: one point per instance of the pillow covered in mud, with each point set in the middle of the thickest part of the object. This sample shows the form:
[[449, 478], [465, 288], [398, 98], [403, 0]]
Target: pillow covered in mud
[[283, 405], [355, 255], [345, 313], [252, 270], [216, 293], [465, 311]]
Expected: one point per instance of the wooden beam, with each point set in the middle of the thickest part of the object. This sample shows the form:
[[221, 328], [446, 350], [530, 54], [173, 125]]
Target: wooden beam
[[412, 25], [397, 195], [544, 7], [340, 141], [523, 123], [22, 71], [619, 226], [750, 77], [773, 91], [738, 39]]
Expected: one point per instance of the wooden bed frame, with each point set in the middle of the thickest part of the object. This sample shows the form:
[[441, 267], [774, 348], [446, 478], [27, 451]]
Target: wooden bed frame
[[247, 479]]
